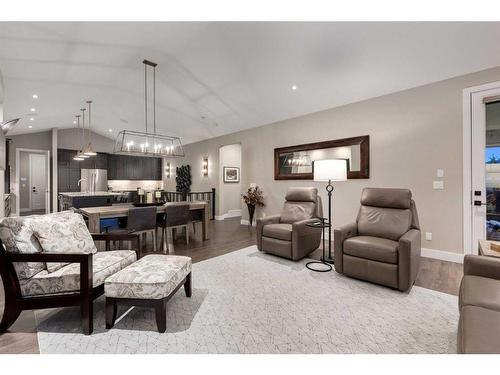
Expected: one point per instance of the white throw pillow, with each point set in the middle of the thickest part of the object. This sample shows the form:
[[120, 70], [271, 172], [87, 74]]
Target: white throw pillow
[[65, 233], [17, 236]]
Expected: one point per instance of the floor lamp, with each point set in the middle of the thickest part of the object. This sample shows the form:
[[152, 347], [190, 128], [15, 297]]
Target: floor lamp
[[330, 170]]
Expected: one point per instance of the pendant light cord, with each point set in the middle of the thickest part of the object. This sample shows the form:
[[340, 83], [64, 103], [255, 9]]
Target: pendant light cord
[[154, 99], [146, 94], [78, 122], [89, 102], [83, 127]]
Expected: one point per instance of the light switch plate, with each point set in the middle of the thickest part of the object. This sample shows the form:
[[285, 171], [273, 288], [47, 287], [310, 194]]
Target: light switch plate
[[440, 173], [428, 236], [438, 185]]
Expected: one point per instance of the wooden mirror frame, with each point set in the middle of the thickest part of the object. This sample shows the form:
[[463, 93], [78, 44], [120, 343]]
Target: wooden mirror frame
[[362, 141]]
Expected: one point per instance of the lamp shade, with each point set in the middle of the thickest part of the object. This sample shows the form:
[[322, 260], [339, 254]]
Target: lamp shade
[[330, 170]]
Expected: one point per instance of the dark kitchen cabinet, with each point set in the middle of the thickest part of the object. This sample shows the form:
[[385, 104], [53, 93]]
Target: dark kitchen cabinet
[[120, 167], [99, 161], [68, 171], [124, 167]]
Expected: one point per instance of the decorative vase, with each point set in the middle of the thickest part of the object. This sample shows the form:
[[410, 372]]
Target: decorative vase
[[251, 212]]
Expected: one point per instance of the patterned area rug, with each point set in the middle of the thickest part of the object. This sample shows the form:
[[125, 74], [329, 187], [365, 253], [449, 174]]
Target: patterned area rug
[[249, 302]]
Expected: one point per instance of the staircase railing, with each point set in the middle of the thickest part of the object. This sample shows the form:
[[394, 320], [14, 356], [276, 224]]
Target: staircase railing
[[207, 196]]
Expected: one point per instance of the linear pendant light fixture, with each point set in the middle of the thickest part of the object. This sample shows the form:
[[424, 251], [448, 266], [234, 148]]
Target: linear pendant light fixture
[[131, 142]]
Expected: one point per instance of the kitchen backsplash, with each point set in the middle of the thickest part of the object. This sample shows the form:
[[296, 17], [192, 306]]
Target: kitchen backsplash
[[120, 185]]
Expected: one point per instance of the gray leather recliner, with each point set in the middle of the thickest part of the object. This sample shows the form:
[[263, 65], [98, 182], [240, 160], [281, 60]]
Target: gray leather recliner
[[479, 305], [287, 235], [383, 245]]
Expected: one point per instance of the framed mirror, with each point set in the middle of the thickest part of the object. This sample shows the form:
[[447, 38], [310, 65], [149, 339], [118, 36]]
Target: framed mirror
[[297, 162]]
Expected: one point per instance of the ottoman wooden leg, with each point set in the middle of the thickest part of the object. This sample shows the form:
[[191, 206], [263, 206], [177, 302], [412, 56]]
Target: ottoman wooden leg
[[161, 314], [110, 312], [188, 286]]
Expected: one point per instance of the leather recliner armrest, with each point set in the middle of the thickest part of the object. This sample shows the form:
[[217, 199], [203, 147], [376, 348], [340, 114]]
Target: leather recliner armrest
[[478, 265], [274, 219], [408, 258], [339, 236], [304, 238]]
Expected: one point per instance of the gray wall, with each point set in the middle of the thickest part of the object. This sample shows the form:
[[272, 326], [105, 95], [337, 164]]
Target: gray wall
[[412, 133], [71, 139]]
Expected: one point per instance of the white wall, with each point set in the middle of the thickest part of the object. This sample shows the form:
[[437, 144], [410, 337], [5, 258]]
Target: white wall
[[230, 193]]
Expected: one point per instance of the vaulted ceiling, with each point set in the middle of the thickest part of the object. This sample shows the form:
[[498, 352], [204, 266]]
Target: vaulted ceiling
[[218, 78]]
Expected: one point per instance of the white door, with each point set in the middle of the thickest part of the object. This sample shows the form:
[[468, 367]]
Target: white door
[[38, 181], [485, 166]]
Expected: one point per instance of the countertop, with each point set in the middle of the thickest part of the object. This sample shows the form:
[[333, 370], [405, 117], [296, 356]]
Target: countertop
[[94, 194]]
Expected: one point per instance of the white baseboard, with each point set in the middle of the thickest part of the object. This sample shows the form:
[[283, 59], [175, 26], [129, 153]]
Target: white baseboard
[[443, 255], [227, 215]]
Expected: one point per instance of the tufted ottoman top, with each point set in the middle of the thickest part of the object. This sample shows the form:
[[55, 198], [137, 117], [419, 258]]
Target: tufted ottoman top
[[154, 276]]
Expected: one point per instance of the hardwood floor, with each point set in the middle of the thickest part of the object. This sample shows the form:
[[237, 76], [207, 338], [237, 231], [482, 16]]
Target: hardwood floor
[[225, 236]]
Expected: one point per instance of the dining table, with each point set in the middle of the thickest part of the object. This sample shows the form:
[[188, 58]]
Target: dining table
[[199, 212]]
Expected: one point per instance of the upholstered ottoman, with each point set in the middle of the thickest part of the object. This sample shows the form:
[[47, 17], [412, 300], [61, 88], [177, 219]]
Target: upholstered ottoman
[[151, 281]]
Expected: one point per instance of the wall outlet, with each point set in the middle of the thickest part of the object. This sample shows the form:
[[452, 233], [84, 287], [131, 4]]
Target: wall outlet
[[440, 173], [428, 236], [438, 185]]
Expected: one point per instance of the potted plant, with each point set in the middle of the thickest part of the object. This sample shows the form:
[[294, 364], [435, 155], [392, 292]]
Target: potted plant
[[253, 197]]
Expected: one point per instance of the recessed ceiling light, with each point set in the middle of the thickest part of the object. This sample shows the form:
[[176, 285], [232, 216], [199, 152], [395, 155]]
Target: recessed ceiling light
[[32, 119], [33, 109], [35, 96], [31, 127], [294, 87], [110, 130]]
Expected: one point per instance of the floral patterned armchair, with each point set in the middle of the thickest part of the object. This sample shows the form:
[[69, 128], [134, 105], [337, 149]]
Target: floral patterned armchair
[[51, 261]]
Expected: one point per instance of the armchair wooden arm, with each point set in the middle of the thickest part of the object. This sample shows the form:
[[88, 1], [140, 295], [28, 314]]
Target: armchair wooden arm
[[108, 237], [15, 302]]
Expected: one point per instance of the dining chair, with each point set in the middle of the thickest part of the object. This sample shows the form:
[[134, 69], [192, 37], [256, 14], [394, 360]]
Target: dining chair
[[176, 216], [142, 220]]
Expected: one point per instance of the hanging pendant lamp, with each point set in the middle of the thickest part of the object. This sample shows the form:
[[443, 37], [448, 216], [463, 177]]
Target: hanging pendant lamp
[[89, 151], [132, 142], [78, 156], [8, 125]]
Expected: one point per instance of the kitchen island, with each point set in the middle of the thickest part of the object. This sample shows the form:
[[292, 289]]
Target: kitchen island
[[83, 199]]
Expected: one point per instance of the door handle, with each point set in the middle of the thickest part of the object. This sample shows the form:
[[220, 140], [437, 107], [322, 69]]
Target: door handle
[[479, 203]]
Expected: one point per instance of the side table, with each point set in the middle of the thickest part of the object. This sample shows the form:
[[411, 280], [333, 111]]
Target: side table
[[313, 265]]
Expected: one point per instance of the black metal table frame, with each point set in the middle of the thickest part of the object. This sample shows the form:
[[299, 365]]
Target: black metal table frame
[[320, 224]]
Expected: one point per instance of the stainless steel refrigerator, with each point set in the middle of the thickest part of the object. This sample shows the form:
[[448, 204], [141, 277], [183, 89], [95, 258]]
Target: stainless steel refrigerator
[[93, 180]]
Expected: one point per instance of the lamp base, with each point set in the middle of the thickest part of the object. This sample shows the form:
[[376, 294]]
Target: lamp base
[[323, 267], [327, 259]]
